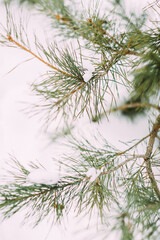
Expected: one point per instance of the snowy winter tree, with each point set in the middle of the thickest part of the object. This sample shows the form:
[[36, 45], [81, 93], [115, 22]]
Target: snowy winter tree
[[97, 55]]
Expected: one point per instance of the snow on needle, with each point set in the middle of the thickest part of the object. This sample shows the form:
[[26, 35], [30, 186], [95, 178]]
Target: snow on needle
[[93, 174], [39, 176]]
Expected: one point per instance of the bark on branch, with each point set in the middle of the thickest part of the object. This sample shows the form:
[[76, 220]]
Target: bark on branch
[[148, 154]]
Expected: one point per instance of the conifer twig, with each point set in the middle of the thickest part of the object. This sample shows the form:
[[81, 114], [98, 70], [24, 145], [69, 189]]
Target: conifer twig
[[131, 105], [123, 163], [69, 94], [135, 105], [102, 31], [137, 143], [153, 134], [115, 58], [36, 56]]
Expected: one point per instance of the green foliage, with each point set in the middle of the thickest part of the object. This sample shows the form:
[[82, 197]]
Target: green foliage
[[144, 206], [147, 77], [112, 50], [29, 1], [133, 111]]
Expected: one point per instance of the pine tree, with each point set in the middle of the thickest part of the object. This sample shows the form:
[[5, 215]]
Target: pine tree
[[122, 51]]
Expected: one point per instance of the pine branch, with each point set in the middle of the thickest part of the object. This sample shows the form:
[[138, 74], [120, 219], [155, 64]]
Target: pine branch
[[40, 59], [135, 105], [123, 163], [148, 155], [87, 184], [69, 94], [90, 29], [135, 145], [99, 178], [103, 32]]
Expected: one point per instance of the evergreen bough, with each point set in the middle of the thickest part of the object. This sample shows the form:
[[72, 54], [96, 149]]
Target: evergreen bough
[[124, 51]]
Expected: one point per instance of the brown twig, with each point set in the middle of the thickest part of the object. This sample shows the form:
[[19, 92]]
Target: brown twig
[[102, 31], [115, 58], [69, 94], [36, 56], [63, 19], [134, 105], [148, 154]]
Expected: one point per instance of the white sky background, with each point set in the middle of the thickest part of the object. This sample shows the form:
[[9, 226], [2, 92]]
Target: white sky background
[[22, 136]]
